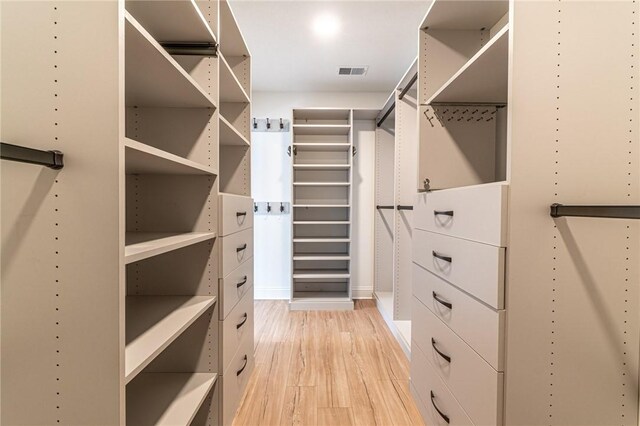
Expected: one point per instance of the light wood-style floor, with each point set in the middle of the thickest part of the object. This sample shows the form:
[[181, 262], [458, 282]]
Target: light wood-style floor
[[326, 368]]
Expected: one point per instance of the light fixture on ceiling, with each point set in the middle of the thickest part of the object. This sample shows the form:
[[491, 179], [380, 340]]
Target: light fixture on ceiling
[[326, 25]]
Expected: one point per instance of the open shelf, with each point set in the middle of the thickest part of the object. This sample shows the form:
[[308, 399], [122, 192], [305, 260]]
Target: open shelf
[[154, 322], [321, 184], [142, 245], [321, 166], [153, 77], [231, 40], [144, 159], [315, 295], [172, 20], [321, 116], [321, 222], [321, 273], [321, 129], [321, 205], [321, 240], [167, 398], [483, 79], [464, 15], [321, 256], [230, 88], [322, 146], [229, 135]]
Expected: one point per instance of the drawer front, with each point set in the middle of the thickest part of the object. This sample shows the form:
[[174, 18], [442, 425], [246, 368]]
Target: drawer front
[[475, 384], [477, 324], [477, 213], [236, 213], [234, 286], [235, 380], [235, 249], [474, 267], [424, 382], [237, 327]]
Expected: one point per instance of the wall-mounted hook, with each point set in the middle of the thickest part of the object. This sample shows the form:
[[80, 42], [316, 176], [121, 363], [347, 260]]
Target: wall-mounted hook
[[255, 123], [255, 207], [268, 124], [289, 151], [295, 150], [354, 151], [281, 124], [281, 207], [268, 207]]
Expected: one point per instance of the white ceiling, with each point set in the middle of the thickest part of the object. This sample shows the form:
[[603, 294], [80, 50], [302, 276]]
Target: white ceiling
[[288, 56]]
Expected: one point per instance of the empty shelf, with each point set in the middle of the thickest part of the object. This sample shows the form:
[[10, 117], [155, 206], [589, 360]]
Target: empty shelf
[[233, 44], [464, 15], [321, 256], [321, 183], [229, 135], [321, 222], [321, 273], [230, 88], [153, 77], [302, 295], [154, 322], [142, 245], [321, 116], [322, 146], [167, 398], [322, 205], [321, 166], [321, 240], [483, 79], [321, 129], [172, 20], [144, 159]]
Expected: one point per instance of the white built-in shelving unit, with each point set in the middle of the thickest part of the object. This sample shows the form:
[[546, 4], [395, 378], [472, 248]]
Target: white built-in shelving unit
[[321, 153]]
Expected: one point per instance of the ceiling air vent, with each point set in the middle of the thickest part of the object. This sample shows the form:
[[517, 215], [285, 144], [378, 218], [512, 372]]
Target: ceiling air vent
[[353, 70]]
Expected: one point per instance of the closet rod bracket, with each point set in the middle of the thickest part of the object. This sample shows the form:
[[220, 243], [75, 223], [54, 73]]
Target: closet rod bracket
[[191, 48], [22, 154]]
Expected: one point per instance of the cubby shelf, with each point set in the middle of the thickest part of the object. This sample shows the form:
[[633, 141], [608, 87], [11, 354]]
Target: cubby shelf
[[167, 398], [142, 245], [172, 21], [322, 146], [145, 159], [321, 222], [321, 166], [464, 15], [321, 205], [321, 184], [154, 322], [319, 296], [483, 79], [321, 273], [232, 44], [321, 240], [229, 135], [321, 256], [230, 88], [154, 78], [322, 129]]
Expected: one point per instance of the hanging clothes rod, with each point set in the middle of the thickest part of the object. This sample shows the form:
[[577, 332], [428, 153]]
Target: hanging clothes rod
[[51, 159], [400, 207], [614, 212], [384, 207], [400, 96], [191, 49]]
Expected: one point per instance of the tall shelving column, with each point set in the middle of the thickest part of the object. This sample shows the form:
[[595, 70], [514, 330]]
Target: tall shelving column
[[171, 327], [322, 155]]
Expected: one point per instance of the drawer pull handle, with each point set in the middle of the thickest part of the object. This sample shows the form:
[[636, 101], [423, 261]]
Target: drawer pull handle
[[441, 257], [246, 361], [238, 214], [243, 247], [440, 301], [445, 357], [443, 415], [241, 283], [245, 317], [443, 213]]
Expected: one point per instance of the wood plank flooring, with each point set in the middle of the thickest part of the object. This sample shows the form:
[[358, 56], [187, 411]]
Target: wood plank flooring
[[326, 368]]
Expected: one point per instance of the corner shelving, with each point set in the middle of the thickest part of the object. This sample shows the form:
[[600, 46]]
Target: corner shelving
[[231, 89], [229, 135], [167, 398], [153, 77], [154, 322], [144, 159], [143, 245]]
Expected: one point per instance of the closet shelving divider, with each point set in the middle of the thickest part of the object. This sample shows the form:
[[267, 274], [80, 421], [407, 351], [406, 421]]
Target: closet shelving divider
[[322, 158]]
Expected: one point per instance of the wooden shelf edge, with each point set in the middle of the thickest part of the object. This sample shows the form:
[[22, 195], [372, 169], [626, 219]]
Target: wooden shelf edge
[[165, 243], [167, 156], [225, 66], [226, 122]]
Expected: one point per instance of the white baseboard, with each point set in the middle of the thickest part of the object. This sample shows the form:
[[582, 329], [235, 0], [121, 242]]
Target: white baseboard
[[362, 293], [278, 293]]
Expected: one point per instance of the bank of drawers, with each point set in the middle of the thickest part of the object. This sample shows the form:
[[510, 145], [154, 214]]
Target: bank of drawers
[[236, 328], [236, 214], [458, 286]]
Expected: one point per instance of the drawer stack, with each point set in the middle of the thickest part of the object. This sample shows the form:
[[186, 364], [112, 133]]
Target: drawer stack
[[236, 299], [459, 249]]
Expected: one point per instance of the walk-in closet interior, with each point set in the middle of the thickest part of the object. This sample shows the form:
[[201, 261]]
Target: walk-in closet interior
[[264, 213]]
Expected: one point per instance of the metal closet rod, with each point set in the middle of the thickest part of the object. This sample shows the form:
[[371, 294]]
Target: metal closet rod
[[400, 96], [385, 207], [22, 154], [614, 212], [191, 48]]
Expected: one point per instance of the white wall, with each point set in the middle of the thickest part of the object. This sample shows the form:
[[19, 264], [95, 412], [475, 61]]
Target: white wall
[[271, 181]]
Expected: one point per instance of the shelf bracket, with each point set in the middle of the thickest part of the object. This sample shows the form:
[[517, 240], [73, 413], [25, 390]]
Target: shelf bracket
[[191, 48], [354, 151], [612, 212], [22, 154]]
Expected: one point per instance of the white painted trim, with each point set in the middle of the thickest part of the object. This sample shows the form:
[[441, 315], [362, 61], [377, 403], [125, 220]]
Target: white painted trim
[[362, 293]]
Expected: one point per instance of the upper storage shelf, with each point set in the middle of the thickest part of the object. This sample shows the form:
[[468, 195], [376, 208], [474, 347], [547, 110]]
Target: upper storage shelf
[[145, 159], [483, 79], [230, 88], [321, 129], [153, 77], [231, 40], [172, 20], [464, 14], [322, 117]]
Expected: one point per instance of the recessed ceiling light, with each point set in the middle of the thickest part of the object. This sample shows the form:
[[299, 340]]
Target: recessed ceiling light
[[326, 25]]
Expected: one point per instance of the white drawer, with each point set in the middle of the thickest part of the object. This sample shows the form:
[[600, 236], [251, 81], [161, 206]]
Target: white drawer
[[235, 249], [236, 213], [237, 327], [235, 380], [477, 213], [477, 324], [234, 286], [475, 384], [432, 392], [474, 267]]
